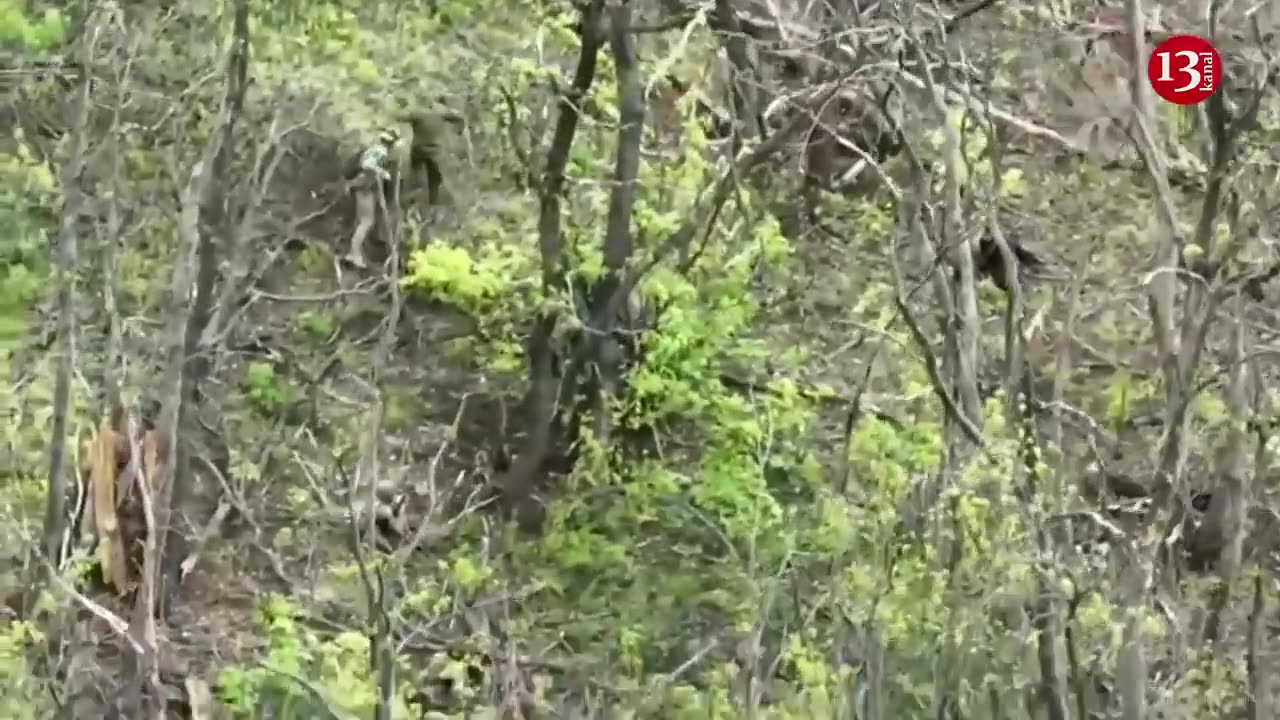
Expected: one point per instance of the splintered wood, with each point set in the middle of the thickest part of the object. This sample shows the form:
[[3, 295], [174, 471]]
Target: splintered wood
[[114, 472], [102, 477]]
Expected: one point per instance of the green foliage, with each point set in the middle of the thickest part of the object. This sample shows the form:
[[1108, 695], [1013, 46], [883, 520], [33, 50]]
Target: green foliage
[[712, 511], [1127, 397], [41, 35], [374, 61], [400, 410], [452, 274], [22, 696], [1214, 688], [754, 497], [467, 574], [28, 203], [975, 167], [267, 390], [317, 324], [297, 666]]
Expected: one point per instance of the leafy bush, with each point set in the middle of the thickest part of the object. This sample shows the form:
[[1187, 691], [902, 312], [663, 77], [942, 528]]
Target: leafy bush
[[301, 677], [35, 35], [22, 696], [266, 389], [28, 204]]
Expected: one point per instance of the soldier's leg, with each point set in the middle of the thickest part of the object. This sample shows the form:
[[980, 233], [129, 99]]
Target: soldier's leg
[[366, 206], [435, 181]]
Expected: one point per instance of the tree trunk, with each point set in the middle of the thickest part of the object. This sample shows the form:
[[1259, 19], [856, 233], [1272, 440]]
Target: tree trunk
[[55, 516], [216, 224]]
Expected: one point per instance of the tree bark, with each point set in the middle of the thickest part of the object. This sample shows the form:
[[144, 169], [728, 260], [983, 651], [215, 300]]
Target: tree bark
[[518, 483], [55, 516], [619, 241], [215, 226]]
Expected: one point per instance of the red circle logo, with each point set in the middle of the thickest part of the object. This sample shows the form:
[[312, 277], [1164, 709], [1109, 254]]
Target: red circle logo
[[1185, 69]]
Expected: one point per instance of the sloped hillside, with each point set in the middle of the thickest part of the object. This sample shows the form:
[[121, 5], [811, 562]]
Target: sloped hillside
[[737, 359]]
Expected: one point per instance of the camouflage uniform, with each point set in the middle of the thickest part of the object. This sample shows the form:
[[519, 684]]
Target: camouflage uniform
[[370, 173]]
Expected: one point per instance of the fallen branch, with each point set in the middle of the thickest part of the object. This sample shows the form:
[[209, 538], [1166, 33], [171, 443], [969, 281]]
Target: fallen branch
[[210, 530], [117, 624]]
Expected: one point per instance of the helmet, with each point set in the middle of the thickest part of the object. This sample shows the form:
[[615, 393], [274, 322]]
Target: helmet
[[388, 137]]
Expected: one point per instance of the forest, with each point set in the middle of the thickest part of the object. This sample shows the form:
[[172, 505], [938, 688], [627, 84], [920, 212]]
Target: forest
[[637, 359]]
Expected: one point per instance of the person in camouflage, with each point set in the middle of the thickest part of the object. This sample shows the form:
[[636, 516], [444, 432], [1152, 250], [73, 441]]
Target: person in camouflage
[[364, 181]]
